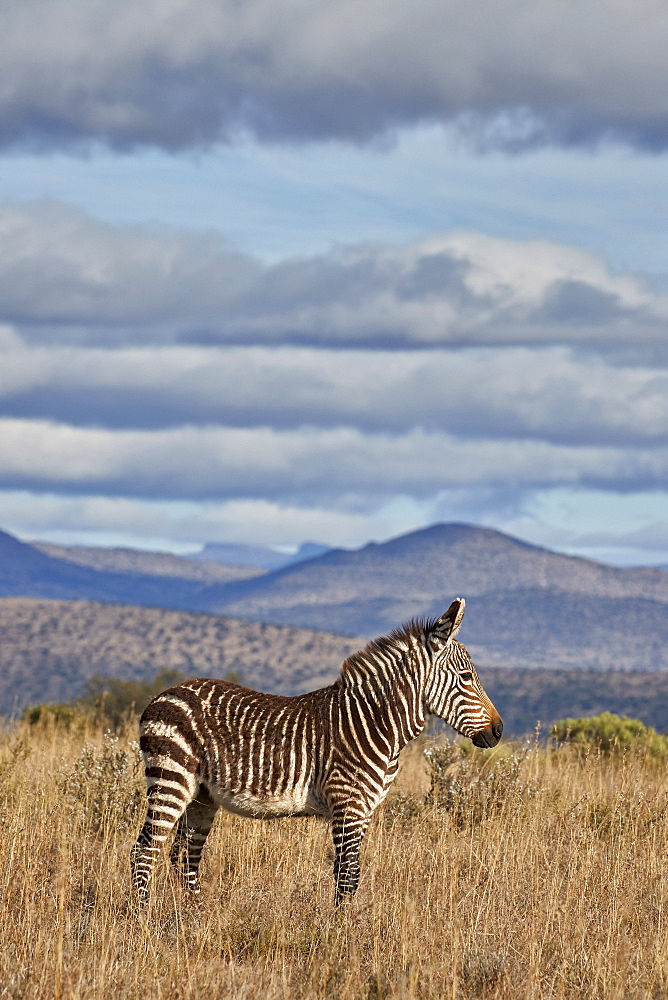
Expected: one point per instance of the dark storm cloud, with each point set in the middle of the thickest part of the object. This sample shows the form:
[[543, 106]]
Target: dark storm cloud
[[179, 75]]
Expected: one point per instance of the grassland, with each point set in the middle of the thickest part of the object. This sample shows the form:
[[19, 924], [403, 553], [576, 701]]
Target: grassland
[[528, 874]]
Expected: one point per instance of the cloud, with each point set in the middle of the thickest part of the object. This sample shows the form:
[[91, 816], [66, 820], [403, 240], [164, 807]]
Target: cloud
[[160, 378], [650, 536], [65, 274], [99, 520], [630, 528], [545, 393], [185, 75], [214, 462], [59, 266], [347, 521]]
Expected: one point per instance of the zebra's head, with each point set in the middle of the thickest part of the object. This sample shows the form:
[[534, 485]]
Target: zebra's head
[[453, 690]]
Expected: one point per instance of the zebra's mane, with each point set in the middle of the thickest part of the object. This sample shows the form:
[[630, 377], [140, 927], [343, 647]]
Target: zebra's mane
[[371, 662]]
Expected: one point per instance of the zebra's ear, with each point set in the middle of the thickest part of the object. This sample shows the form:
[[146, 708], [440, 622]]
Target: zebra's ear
[[448, 624]]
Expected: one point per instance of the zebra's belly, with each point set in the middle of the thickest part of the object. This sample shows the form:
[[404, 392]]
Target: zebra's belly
[[295, 802]]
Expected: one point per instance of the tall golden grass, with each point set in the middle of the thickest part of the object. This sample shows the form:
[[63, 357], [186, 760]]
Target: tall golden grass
[[558, 890]]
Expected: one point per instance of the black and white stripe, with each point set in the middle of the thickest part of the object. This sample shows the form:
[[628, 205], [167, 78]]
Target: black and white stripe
[[333, 752]]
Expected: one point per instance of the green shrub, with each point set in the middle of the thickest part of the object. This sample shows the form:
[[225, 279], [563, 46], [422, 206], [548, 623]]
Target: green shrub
[[110, 700], [64, 715], [610, 734], [107, 702]]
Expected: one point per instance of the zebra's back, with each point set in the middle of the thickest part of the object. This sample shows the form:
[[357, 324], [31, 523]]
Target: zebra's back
[[255, 754]]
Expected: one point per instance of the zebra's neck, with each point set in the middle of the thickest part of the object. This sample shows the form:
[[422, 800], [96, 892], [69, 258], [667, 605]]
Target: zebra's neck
[[385, 683]]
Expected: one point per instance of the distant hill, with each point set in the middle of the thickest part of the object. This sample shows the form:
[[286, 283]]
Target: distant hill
[[60, 572], [412, 571], [135, 562], [525, 697], [256, 555], [50, 648], [527, 607]]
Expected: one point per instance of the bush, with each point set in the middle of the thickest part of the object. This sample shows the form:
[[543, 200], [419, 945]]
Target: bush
[[110, 700], [474, 786], [610, 734], [107, 702], [64, 715], [105, 785]]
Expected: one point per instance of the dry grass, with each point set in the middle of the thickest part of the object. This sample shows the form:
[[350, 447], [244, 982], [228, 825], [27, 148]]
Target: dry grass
[[559, 892]]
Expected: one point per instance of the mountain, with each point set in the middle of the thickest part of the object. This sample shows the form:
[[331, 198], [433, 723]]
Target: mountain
[[50, 648], [241, 555], [255, 555], [51, 571], [135, 562], [527, 606], [411, 570]]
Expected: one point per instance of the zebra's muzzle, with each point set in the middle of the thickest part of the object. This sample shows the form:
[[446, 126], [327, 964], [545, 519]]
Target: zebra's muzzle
[[488, 737]]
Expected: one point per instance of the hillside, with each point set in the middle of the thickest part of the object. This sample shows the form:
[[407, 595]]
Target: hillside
[[50, 648], [525, 697], [104, 575], [527, 607], [413, 570], [133, 562]]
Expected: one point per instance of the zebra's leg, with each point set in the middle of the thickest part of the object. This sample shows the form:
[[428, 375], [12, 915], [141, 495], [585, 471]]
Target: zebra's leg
[[167, 801], [191, 833], [348, 828]]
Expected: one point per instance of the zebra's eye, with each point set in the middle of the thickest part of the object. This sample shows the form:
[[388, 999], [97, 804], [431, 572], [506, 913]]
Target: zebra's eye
[[466, 675]]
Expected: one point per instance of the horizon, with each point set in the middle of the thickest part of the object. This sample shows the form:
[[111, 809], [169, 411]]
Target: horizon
[[290, 551]]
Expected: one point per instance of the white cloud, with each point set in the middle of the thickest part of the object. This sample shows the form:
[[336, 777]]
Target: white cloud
[[162, 386], [552, 518], [552, 393], [67, 277], [179, 75], [184, 526], [189, 463], [627, 528]]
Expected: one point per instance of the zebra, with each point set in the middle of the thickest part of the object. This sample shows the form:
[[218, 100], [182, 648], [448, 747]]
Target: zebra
[[332, 752]]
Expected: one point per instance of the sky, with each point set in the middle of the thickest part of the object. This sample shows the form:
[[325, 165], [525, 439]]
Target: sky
[[291, 270]]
